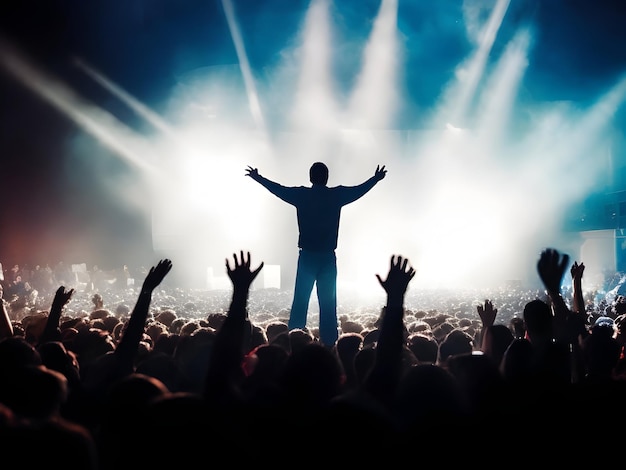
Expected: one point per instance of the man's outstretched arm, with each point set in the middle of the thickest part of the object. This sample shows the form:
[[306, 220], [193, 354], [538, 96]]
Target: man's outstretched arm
[[276, 189], [355, 192]]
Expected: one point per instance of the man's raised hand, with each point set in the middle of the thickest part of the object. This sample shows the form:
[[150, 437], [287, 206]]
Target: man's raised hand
[[380, 172]]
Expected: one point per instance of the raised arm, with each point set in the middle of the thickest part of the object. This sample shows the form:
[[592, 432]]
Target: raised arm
[[227, 355], [487, 314], [579, 319], [51, 330], [285, 193], [352, 193], [387, 367], [129, 344], [551, 267], [577, 271], [271, 186]]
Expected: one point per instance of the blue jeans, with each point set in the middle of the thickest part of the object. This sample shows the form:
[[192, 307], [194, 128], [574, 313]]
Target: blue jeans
[[319, 268]]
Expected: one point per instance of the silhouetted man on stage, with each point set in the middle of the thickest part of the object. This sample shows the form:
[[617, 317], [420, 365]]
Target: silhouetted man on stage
[[318, 211]]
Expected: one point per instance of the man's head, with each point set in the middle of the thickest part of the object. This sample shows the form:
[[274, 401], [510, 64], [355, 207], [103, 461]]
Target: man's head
[[538, 320], [318, 174]]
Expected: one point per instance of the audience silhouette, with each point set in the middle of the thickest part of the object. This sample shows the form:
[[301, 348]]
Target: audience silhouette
[[105, 389]]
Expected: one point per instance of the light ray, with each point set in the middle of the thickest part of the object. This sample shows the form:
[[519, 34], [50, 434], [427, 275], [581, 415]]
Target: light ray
[[459, 96], [374, 99], [498, 97], [315, 110], [95, 121], [244, 64], [141, 109]]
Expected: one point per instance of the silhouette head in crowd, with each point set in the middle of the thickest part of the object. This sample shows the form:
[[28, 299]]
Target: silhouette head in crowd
[[424, 347]]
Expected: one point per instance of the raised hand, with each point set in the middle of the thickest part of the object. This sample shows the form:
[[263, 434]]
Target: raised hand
[[252, 172], [62, 297], [156, 275], [577, 271], [380, 172], [129, 344], [387, 368], [398, 278], [241, 275], [551, 268], [487, 313], [51, 331], [230, 343]]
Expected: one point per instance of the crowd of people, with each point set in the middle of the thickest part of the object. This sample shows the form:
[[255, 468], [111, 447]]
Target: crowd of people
[[108, 376]]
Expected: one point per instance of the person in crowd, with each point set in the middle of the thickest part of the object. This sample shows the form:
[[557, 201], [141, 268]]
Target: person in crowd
[[495, 338], [318, 210], [108, 399], [347, 347], [424, 347]]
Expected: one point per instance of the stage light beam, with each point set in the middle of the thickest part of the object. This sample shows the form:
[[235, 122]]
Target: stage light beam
[[315, 110], [374, 99], [100, 124], [244, 64], [458, 98]]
